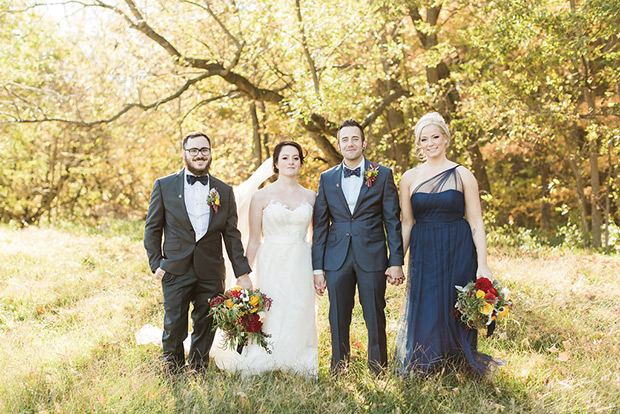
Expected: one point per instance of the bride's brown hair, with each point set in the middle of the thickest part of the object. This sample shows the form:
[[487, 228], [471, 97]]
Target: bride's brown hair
[[278, 148]]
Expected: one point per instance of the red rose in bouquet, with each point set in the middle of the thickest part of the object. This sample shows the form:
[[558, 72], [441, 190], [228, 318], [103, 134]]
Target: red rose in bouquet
[[255, 324], [483, 284]]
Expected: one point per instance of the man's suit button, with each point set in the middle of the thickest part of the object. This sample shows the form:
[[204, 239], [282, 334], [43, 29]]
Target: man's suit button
[[352, 219], [348, 235]]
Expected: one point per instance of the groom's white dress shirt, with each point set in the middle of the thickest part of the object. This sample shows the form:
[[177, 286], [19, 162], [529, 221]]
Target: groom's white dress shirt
[[352, 185], [196, 204]]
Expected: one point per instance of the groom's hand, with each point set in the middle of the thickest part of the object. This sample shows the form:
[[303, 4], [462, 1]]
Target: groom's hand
[[395, 275], [244, 281], [319, 284], [159, 273]]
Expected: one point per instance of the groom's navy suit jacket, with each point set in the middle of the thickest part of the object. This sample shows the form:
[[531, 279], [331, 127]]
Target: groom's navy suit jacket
[[376, 217], [168, 215]]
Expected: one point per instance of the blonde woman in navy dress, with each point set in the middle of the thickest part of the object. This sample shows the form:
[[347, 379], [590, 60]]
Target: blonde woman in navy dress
[[442, 223]]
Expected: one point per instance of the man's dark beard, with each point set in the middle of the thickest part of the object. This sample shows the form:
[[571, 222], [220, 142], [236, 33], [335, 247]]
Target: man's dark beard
[[198, 172]]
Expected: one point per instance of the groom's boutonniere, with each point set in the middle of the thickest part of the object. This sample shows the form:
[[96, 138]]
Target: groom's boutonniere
[[213, 199], [370, 175]]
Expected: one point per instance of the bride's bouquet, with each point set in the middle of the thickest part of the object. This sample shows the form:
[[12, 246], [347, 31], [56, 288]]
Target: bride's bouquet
[[237, 312], [479, 303]]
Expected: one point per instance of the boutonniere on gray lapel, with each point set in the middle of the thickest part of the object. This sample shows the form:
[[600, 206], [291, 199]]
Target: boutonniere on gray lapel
[[370, 175], [213, 199]]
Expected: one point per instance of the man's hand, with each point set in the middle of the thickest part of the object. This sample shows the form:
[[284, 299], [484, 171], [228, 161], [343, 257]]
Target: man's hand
[[395, 275], [244, 281], [319, 284], [159, 273]]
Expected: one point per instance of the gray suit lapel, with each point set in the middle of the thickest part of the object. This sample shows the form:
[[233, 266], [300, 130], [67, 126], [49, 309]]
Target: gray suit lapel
[[181, 196], [336, 179]]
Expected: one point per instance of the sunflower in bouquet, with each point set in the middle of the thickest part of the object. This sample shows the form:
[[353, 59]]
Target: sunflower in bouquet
[[480, 303], [238, 312]]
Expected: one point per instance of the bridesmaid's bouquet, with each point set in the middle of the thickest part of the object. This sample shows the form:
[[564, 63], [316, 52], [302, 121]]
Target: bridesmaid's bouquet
[[479, 303], [237, 312]]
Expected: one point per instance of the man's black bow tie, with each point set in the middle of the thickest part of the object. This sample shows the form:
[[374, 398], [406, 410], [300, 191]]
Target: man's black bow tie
[[349, 172], [191, 179]]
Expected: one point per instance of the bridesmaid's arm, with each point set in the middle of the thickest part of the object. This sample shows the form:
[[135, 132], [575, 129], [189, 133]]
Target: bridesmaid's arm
[[405, 208], [473, 213]]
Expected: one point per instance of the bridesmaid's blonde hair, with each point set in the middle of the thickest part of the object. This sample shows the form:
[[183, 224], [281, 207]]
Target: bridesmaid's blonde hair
[[432, 118]]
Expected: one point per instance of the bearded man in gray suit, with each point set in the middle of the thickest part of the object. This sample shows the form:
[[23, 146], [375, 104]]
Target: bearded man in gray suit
[[193, 212]]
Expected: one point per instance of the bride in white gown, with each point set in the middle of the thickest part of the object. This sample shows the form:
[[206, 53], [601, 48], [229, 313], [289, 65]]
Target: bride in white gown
[[281, 212]]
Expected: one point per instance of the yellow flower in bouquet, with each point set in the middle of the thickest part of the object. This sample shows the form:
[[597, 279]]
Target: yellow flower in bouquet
[[254, 300], [486, 308], [480, 294]]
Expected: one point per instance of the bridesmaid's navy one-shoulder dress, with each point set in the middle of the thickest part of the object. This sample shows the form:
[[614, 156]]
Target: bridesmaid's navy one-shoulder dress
[[442, 255]]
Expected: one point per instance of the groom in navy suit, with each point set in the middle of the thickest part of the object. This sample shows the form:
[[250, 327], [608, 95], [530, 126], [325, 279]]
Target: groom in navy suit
[[356, 211]]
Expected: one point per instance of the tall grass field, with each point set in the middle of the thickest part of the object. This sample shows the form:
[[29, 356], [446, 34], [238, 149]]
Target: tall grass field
[[72, 299]]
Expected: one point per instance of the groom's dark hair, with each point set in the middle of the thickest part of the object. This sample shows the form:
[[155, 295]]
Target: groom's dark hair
[[194, 134], [350, 123], [278, 148]]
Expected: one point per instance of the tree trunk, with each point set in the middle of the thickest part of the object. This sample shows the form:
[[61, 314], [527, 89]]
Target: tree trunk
[[581, 197], [256, 141], [478, 167], [545, 213], [597, 220]]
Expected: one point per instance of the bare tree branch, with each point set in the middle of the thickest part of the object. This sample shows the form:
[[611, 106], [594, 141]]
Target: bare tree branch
[[304, 45], [387, 100], [126, 108]]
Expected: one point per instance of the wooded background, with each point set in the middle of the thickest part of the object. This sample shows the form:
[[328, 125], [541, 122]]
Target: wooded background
[[95, 96]]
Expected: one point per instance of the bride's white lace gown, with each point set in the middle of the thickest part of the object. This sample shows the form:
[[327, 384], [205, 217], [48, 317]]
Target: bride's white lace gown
[[284, 273]]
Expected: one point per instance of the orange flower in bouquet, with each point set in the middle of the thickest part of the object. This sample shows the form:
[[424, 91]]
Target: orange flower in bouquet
[[239, 314]]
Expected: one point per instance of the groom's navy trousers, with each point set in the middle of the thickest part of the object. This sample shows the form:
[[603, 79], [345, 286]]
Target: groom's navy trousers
[[371, 287]]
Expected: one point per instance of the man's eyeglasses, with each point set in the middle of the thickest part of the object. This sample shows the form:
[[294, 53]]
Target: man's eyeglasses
[[194, 151]]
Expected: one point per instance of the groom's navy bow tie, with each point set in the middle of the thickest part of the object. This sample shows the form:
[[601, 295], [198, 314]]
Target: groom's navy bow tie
[[191, 179], [349, 172]]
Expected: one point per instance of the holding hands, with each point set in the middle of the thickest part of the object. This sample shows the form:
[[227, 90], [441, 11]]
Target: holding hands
[[244, 281], [319, 284], [395, 275]]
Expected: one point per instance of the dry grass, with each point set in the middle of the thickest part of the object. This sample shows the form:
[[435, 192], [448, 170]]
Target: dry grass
[[71, 300]]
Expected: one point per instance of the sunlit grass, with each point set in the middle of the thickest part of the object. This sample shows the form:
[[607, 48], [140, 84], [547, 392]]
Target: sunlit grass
[[71, 300]]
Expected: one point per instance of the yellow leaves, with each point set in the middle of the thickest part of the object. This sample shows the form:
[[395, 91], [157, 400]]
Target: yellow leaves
[[564, 356]]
